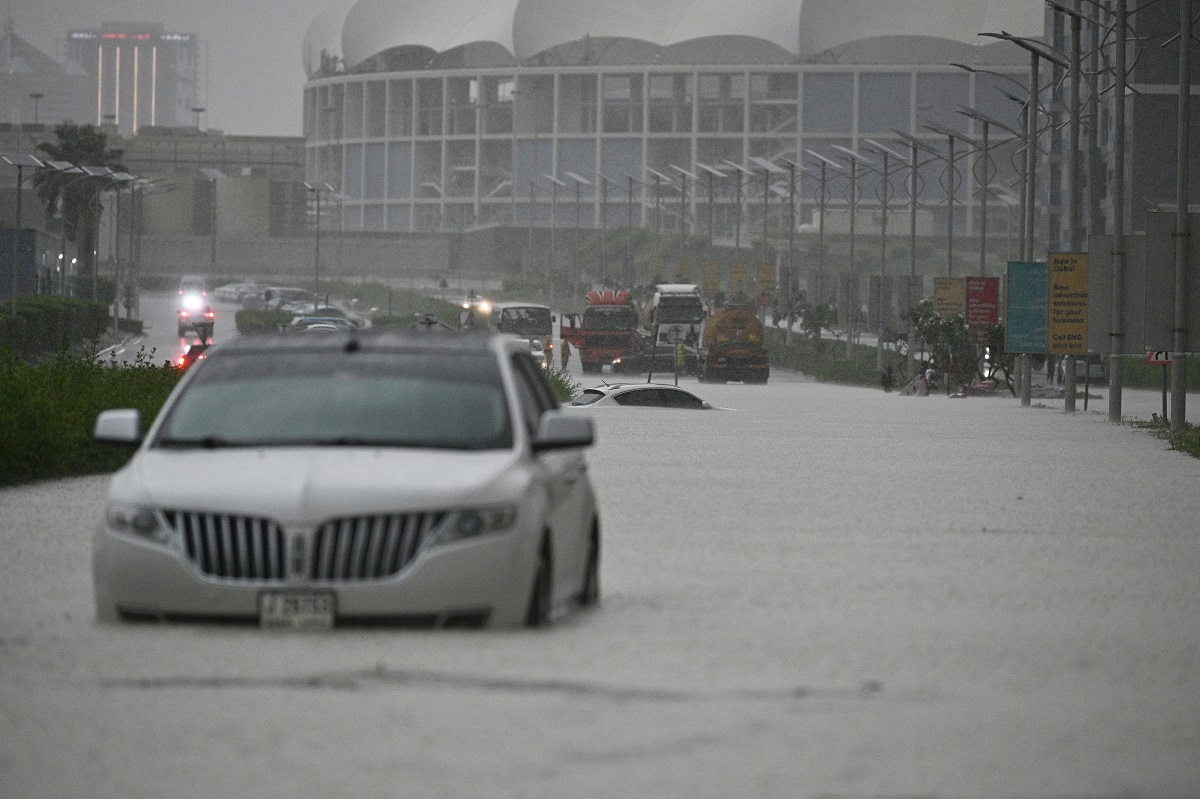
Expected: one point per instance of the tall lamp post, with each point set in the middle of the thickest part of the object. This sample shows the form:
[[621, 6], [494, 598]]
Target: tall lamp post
[[984, 176], [855, 160], [769, 169], [317, 189], [37, 98], [555, 185], [120, 181], [822, 164], [851, 281], [713, 173], [793, 168], [20, 161], [659, 179], [951, 186], [886, 155], [580, 182], [738, 171], [1038, 51], [213, 175]]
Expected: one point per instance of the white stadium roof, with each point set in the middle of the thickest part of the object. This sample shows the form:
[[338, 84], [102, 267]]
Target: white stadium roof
[[781, 30]]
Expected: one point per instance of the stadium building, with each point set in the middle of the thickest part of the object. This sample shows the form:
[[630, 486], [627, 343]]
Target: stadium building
[[453, 115]]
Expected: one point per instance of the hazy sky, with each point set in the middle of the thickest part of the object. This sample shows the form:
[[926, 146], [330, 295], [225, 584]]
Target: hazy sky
[[254, 75]]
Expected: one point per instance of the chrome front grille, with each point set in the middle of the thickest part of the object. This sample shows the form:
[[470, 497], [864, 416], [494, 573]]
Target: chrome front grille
[[235, 547], [368, 547]]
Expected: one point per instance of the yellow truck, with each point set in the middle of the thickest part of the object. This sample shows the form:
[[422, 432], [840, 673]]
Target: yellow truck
[[731, 347]]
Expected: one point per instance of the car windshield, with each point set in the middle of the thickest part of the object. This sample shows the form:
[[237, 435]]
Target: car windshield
[[334, 398], [525, 321], [609, 317]]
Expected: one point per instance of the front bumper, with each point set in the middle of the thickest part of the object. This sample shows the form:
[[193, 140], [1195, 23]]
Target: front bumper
[[485, 580]]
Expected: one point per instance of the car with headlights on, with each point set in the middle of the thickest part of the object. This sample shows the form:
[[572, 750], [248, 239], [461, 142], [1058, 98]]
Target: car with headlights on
[[356, 477]]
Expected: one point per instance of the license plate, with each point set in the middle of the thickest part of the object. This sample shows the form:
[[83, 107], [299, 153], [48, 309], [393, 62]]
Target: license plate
[[296, 610]]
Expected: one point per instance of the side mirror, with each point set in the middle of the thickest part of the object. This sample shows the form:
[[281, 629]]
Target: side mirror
[[123, 426], [561, 430]]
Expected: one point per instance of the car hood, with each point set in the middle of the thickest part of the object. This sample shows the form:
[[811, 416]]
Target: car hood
[[306, 485]]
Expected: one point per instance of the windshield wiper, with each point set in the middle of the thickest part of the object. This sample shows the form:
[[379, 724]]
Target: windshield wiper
[[205, 442]]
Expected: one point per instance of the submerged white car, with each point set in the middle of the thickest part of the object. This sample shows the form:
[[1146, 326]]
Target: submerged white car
[[357, 477]]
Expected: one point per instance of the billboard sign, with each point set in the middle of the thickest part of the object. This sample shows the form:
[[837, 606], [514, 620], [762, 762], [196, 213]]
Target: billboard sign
[[1026, 301], [1067, 322]]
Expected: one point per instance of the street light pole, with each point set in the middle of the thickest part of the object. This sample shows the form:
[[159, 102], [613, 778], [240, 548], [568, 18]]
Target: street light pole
[[20, 161], [36, 97], [316, 189], [580, 182]]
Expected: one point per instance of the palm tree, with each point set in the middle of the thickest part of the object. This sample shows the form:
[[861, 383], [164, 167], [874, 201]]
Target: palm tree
[[77, 197]]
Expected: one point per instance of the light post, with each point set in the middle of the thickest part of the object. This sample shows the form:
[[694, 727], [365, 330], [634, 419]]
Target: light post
[[580, 182], [792, 168], [822, 200], [851, 284], [683, 197], [770, 168], [213, 175], [120, 180], [984, 177], [855, 160], [603, 180], [1037, 52], [713, 173], [66, 168], [628, 270], [738, 171], [951, 186], [20, 161], [197, 110], [36, 97], [317, 189], [886, 154], [555, 183], [659, 177]]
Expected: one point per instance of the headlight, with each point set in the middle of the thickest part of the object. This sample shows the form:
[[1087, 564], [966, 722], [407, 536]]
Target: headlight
[[474, 522], [135, 520], [192, 302]]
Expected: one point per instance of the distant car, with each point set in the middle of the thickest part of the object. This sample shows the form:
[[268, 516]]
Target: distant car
[[234, 292], [661, 360], [193, 293], [200, 321], [355, 477], [640, 395], [334, 322], [538, 350]]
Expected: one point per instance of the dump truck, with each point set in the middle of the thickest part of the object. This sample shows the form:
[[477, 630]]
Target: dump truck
[[675, 315], [731, 347], [606, 331]]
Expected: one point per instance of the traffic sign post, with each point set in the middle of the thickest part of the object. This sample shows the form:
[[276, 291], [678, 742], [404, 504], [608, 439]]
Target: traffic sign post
[[1162, 358]]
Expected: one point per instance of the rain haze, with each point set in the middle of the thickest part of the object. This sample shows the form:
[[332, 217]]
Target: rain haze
[[252, 50]]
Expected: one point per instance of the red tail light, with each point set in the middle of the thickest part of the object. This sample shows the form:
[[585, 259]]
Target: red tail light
[[181, 361], [210, 314]]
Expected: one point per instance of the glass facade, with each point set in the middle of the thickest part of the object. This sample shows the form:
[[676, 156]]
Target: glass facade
[[448, 150]]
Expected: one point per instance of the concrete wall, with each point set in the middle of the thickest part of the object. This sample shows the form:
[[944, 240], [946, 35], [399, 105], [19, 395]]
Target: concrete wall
[[399, 257]]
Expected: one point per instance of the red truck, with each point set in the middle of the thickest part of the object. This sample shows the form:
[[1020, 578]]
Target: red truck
[[607, 329]]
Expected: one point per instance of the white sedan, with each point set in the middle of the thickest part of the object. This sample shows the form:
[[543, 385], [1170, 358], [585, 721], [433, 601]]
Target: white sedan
[[352, 478]]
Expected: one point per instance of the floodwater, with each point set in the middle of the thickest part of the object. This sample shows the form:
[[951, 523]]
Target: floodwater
[[818, 591]]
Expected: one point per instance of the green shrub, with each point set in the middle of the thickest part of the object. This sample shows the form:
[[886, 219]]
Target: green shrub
[[47, 324], [251, 321], [47, 412]]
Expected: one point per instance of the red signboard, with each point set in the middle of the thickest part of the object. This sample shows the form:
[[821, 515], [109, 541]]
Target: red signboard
[[983, 303]]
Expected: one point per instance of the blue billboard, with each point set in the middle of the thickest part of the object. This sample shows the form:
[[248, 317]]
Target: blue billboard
[[1027, 302]]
